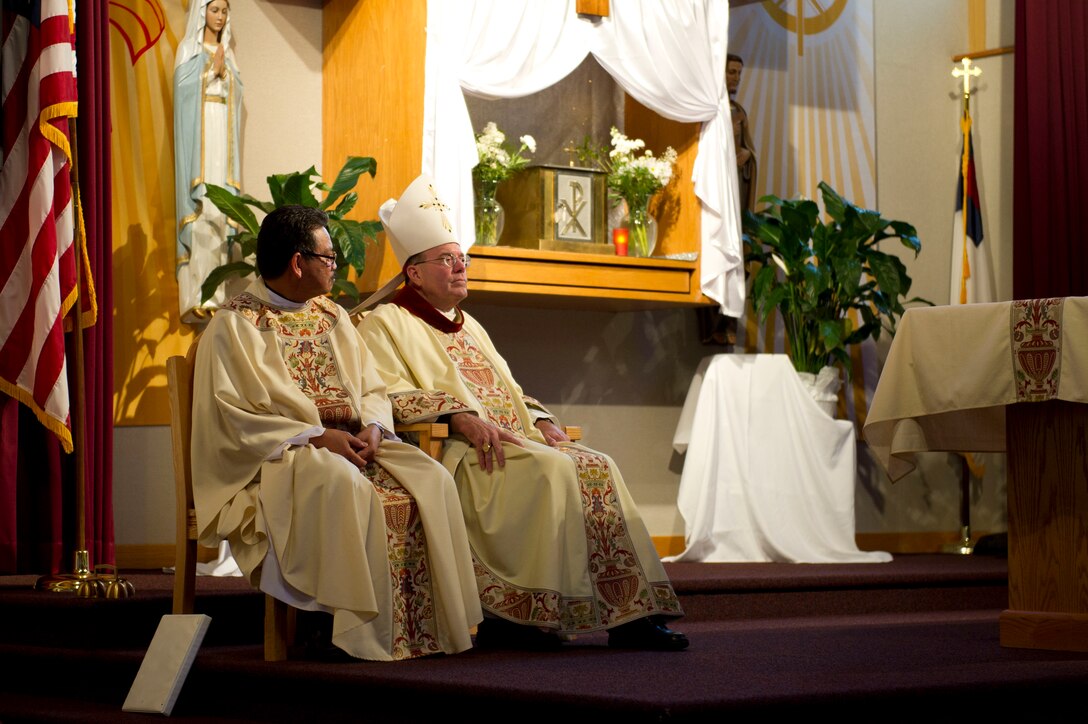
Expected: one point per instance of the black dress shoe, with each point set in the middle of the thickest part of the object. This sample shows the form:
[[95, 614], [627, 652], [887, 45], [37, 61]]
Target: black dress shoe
[[646, 634], [498, 633]]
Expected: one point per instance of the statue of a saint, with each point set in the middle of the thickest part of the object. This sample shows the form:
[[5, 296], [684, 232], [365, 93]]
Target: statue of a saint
[[207, 119], [742, 136]]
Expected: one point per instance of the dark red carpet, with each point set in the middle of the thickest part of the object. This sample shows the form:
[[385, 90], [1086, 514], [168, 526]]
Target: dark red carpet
[[914, 638]]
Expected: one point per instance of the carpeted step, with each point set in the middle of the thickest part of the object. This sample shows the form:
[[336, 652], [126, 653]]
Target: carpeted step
[[907, 584], [707, 592]]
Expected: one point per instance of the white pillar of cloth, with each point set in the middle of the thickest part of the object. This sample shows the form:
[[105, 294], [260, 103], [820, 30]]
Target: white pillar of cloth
[[768, 476]]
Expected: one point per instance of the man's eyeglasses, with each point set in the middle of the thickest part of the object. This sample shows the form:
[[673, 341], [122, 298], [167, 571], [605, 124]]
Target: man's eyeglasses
[[328, 259], [448, 260]]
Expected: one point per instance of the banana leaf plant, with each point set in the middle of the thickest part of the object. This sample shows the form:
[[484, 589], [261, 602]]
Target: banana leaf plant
[[349, 237], [814, 272]]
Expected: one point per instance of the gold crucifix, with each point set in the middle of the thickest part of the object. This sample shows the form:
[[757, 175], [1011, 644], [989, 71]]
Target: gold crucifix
[[570, 150], [438, 206], [966, 72]]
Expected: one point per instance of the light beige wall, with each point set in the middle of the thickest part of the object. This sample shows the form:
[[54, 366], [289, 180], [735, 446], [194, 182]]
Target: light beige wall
[[279, 53], [278, 47], [918, 146], [623, 376]]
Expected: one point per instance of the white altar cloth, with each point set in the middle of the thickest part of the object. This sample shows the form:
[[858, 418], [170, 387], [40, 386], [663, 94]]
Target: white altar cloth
[[768, 477]]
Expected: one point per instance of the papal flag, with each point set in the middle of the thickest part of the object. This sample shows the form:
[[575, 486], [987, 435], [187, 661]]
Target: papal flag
[[972, 271], [38, 214]]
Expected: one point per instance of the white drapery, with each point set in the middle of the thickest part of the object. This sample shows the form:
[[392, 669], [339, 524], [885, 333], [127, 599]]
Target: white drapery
[[769, 476], [668, 56]]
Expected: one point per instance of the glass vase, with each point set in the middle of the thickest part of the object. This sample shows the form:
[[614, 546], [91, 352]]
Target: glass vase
[[489, 215], [641, 229]]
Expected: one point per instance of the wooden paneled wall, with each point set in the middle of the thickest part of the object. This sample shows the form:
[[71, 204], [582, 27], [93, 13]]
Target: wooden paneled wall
[[676, 207], [372, 102]]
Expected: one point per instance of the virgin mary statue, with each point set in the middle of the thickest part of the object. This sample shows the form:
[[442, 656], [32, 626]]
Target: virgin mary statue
[[207, 118]]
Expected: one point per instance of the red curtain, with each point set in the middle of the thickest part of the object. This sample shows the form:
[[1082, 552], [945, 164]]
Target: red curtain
[[38, 524], [1050, 156], [93, 52]]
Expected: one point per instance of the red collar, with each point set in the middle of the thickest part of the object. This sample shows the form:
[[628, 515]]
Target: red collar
[[411, 300]]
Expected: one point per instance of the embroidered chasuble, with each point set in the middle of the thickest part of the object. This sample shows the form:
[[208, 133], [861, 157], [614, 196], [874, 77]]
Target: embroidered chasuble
[[556, 538], [383, 549]]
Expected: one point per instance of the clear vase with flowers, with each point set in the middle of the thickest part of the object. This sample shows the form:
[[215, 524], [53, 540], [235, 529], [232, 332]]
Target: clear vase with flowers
[[633, 179], [498, 162]]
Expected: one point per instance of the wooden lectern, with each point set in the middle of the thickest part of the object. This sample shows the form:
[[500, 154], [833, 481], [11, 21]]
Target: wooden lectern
[[1005, 377], [1048, 526]]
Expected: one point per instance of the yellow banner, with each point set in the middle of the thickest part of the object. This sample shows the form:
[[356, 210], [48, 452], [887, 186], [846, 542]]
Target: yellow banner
[[146, 320]]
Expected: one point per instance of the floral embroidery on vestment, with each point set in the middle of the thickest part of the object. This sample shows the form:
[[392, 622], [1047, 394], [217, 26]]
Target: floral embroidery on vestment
[[306, 346], [483, 381], [421, 405], [622, 591], [415, 630]]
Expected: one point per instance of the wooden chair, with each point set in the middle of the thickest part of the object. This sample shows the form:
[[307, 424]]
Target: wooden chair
[[431, 435], [279, 618]]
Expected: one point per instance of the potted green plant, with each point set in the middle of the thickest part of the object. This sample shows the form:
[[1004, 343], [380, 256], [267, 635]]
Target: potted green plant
[[349, 237], [814, 272]]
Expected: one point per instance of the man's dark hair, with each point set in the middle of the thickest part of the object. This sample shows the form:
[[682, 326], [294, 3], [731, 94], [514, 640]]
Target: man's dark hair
[[730, 58], [285, 232]]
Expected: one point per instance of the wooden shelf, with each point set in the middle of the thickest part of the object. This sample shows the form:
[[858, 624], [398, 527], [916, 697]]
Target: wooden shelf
[[528, 277]]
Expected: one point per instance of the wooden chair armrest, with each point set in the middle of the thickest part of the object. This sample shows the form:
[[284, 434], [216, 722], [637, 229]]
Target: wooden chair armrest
[[431, 435], [437, 429]]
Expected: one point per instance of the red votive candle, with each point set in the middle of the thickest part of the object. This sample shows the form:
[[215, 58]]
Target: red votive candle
[[619, 240]]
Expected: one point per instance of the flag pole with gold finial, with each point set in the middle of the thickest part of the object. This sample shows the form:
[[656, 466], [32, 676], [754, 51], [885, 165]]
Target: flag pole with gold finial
[[970, 466], [966, 72]]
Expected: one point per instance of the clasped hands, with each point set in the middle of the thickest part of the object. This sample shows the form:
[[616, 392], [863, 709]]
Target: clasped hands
[[219, 67], [359, 449], [488, 438]]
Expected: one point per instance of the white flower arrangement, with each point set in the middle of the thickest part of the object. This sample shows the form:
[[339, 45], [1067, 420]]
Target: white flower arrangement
[[498, 160], [631, 177], [637, 178]]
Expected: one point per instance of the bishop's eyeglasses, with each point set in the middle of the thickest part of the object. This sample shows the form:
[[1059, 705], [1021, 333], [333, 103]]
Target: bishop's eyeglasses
[[448, 260]]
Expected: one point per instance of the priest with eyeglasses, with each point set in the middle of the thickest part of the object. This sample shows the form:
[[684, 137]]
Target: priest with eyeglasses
[[294, 463], [558, 546]]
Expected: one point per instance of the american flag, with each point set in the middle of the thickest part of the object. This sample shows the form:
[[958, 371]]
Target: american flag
[[37, 209]]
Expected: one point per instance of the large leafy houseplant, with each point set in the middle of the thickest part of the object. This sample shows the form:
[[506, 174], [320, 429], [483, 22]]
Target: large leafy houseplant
[[814, 272], [349, 237]]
